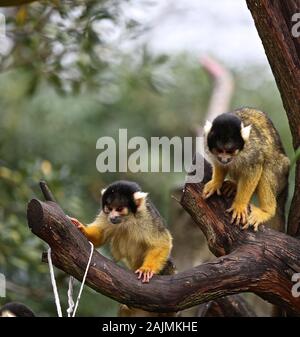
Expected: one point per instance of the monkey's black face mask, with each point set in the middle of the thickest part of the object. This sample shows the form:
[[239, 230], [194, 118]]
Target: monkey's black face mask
[[118, 201], [224, 139], [116, 213]]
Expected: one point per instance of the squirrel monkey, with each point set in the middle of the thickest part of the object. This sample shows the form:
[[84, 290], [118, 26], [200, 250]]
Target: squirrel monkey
[[245, 146], [15, 309], [136, 231], [133, 226]]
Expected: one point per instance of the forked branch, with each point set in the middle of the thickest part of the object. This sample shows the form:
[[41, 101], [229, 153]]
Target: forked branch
[[262, 262]]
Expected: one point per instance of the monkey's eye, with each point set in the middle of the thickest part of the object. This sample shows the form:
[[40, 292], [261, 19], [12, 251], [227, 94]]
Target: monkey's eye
[[232, 151], [107, 209], [119, 209]]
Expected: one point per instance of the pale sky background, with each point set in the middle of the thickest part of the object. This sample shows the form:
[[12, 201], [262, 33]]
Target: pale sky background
[[223, 28]]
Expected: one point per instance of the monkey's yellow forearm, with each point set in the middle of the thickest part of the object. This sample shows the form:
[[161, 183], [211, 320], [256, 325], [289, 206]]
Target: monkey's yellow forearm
[[94, 234], [156, 259], [267, 204], [215, 184], [246, 186], [219, 174]]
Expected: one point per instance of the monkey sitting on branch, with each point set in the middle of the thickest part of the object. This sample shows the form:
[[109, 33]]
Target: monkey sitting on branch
[[135, 230]]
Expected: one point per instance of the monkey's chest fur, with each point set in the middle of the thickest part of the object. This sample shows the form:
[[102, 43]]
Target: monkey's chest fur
[[128, 243]]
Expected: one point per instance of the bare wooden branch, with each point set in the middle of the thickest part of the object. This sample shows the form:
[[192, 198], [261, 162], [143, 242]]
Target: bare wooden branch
[[273, 20], [229, 306], [46, 191], [260, 251], [223, 86], [254, 263]]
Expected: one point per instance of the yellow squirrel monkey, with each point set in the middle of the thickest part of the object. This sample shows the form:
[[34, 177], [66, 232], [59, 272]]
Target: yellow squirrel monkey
[[245, 146], [133, 226]]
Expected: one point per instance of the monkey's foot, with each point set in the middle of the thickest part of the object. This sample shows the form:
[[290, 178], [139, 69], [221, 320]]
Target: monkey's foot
[[256, 218], [239, 213], [144, 274], [210, 188], [228, 188]]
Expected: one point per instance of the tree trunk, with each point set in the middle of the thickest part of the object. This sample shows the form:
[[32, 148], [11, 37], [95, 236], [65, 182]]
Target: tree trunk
[[273, 20]]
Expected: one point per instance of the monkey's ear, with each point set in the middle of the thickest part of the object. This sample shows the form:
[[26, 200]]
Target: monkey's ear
[[245, 131], [140, 198], [103, 191], [207, 127]]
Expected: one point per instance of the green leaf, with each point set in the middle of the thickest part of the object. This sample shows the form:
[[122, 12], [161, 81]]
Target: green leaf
[[296, 157]]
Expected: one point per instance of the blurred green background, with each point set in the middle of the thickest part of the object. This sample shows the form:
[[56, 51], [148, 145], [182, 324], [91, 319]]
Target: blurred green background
[[62, 86]]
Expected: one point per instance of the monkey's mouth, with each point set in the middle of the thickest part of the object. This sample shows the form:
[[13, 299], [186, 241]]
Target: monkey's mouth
[[225, 161], [115, 220]]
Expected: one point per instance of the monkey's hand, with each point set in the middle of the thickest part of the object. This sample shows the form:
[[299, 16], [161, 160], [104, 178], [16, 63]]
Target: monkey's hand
[[229, 188], [239, 213], [211, 187], [78, 224], [144, 274]]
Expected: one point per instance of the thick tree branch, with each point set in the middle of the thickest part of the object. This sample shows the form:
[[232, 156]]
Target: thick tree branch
[[272, 255], [229, 306], [223, 86], [254, 264], [273, 20]]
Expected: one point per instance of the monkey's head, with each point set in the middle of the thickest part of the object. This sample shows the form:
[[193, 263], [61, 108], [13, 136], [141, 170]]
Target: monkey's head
[[121, 199], [14, 309], [226, 137]]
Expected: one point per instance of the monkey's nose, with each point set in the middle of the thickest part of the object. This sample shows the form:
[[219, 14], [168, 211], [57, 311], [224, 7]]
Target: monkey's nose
[[225, 160], [115, 220]]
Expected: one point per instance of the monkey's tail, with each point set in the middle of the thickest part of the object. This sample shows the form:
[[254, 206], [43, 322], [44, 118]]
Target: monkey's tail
[[279, 221]]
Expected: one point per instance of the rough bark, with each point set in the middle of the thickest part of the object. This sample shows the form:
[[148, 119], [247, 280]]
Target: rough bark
[[230, 306], [273, 20], [253, 264]]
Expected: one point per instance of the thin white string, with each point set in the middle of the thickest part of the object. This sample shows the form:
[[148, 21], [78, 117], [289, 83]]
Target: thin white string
[[70, 297], [56, 296], [83, 280], [70, 290]]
